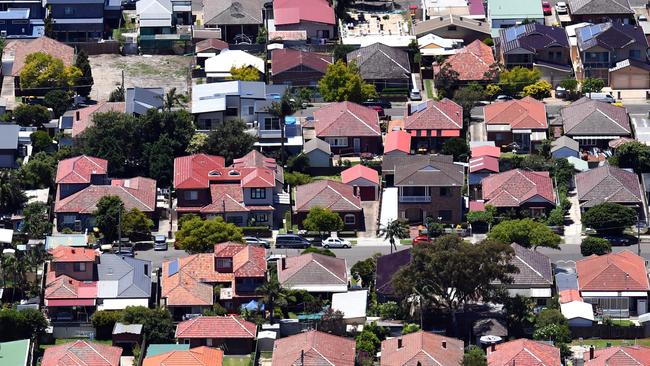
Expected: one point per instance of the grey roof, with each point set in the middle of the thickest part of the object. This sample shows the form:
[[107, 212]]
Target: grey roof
[[236, 12], [438, 22], [611, 36], [379, 61], [594, 118], [532, 37], [489, 326], [9, 136], [313, 269], [140, 100], [123, 277], [316, 144], [534, 267], [424, 170], [387, 266], [121, 328], [608, 184], [598, 7], [566, 281], [564, 141]]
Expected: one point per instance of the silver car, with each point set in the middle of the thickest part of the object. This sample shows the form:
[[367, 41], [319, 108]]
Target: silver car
[[251, 240], [332, 242]]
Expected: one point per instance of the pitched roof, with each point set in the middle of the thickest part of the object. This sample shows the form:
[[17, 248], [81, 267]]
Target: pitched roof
[[192, 171], [486, 150], [199, 356], [346, 119], [599, 7], [316, 144], [287, 59], [72, 254], [379, 61], [140, 100], [64, 287], [593, 118], [487, 163], [247, 260], [472, 62], [611, 36], [50, 46], [619, 355], [421, 347], [526, 113], [514, 187], [622, 271], [564, 142], [387, 266], [82, 353], [225, 327], [136, 192], [83, 118], [78, 170], [534, 267], [313, 269], [524, 352], [532, 37], [442, 22], [397, 141], [436, 115], [16, 353], [314, 348], [210, 44], [236, 12], [286, 12], [428, 170], [359, 171], [608, 184], [336, 196], [123, 277], [567, 296]]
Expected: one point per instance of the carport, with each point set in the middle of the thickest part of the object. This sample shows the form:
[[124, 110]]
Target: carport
[[364, 180]]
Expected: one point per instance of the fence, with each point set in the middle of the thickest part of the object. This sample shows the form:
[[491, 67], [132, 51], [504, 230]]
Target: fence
[[97, 48], [610, 332]]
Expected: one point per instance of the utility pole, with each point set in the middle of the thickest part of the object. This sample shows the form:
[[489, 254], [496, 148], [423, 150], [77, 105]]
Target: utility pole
[[638, 236], [119, 225]]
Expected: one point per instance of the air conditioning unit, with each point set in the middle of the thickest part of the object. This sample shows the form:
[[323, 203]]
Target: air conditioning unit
[[3, 33], [226, 294], [77, 225]]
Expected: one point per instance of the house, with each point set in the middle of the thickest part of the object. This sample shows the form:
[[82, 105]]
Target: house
[[77, 263], [594, 123], [336, 196], [565, 147], [75, 122], [44, 44], [602, 46], [208, 48], [199, 356], [241, 193], [578, 314], [155, 18], [609, 184], [520, 190], [616, 283], [269, 127], [520, 124], [397, 143], [238, 20], [629, 74], [364, 180], [348, 128], [421, 348], [188, 284], [474, 62], [479, 168], [140, 100], [90, 352], [316, 17], [598, 11], [634, 355], [314, 273], [298, 68], [536, 45], [217, 68], [387, 266], [74, 21], [505, 13], [318, 152], [315, 346], [431, 123], [433, 8], [534, 278], [432, 45], [489, 327], [521, 352], [232, 334], [454, 27], [429, 186], [123, 281], [9, 145], [23, 18], [383, 66], [17, 353]]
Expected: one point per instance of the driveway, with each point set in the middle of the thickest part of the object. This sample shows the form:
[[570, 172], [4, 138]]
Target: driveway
[[573, 232], [370, 214], [388, 205]]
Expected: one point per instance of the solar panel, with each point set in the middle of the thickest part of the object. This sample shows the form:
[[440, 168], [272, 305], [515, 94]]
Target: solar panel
[[566, 281], [420, 107], [173, 268], [510, 34]]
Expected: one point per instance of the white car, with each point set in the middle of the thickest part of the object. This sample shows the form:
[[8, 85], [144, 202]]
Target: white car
[[561, 7], [336, 243], [251, 240]]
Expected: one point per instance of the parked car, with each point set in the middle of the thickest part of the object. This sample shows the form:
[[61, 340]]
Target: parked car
[[546, 7], [561, 8], [160, 242], [421, 239], [332, 242], [560, 92], [503, 98], [415, 94], [603, 97], [376, 101], [291, 241], [619, 240], [378, 109], [275, 257], [125, 250], [251, 240]]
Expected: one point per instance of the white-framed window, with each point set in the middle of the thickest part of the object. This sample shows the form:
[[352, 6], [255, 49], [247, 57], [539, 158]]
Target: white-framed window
[[337, 141], [271, 123], [350, 219], [191, 195], [261, 217]]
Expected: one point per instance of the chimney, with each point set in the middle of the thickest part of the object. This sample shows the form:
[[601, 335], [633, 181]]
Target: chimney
[[444, 344], [284, 263], [73, 251], [77, 117], [408, 109], [493, 347], [399, 343], [591, 352]]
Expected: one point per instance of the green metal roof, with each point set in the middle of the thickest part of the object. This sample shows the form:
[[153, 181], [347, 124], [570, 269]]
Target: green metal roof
[[520, 9], [157, 349], [14, 353]]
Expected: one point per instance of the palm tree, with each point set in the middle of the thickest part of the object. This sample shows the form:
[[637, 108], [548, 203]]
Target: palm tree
[[395, 229], [173, 99], [12, 196], [10, 267], [273, 294], [281, 109]]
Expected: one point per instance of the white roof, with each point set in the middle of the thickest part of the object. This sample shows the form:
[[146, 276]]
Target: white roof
[[352, 304], [577, 309], [227, 59], [446, 46], [209, 97], [388, 40], [37, 195], [6, 236], [154, 13], [445, 3]]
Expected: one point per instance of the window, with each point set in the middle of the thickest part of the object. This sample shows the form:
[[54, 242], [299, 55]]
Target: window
[[261, 217], [350, 219], [69, 219], [414, 191], [271, 123], [79, 267], [233, 173], [445, 192], [337, 141], [325, 33], [537, 211], [445, 215], [635, 54], [251, 110], [191, 195], [451, 28], [21, 21], [224, 262], [231, 112], [258, 193], [68, 10]]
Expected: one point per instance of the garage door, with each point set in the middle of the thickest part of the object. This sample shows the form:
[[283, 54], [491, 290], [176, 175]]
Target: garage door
[[367, 193], [624, 80]]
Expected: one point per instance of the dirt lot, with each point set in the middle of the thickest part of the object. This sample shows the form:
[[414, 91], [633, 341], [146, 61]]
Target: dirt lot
[[143, 71]]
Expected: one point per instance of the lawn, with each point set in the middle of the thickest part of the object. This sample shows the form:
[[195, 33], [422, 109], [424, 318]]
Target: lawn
[[428, 86], [330, 177], [236, 360], [602, 343], [59, 341]]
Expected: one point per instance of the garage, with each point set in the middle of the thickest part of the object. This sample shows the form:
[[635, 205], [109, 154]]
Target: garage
[[364, 180], [629, 74], [367, 193]]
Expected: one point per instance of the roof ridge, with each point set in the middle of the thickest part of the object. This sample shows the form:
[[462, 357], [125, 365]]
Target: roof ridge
[[241, 325], [324, 358], [342, 196], [361, 120], [529, 266], [327, 269], [393, 60]]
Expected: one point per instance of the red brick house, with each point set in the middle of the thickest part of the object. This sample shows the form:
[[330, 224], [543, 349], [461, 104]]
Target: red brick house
[[318, 347], [232, 334], [431, 123], [421, 348], [618, 355], [82, 352], [349, 128], [520, 189], [522, 122], [316, 17], [298, 68], [472, 63], [336, 196], [523, 352]]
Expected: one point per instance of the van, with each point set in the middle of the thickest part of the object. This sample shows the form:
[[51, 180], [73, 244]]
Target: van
[[415, 91], [601, 97], [291, 241]]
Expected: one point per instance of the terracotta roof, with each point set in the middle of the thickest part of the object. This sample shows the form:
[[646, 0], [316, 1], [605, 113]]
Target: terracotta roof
[[286, 59], [314, 348], [210, 44], [225, 198], [615, 144], [526, 113], [327, 194], [612, 272], [524, 352], [486, 150], [259, 178], [488, 163], [78, 170], [41, 44], [346, 119], [72, 254], [255, 159], [514, 187], [192, 171], [593, 118], [200, 356], [437, 115], [313, 269], [567, 296], [295, 11], [359, 171], [247, 260], [422, 347], [216, 327], [64, 287], [608, 184], [82, 353], [136, 192], [397, 141], [472, 62], [619, 355], [83, 118]]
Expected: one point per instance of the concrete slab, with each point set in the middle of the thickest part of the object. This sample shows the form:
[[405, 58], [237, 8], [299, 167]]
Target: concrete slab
[[389, 210]]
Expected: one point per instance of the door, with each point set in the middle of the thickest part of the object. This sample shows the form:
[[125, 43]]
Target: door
[[367, 193], [356, 142], [641, 306]]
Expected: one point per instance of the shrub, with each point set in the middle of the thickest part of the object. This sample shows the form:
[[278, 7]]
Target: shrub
[[592, 245], [103, 321], [555, 217]]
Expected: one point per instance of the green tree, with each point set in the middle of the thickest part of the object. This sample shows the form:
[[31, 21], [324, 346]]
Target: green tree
[[199, 236], [513, 81], [103, 321], [341, 51], [434, 227], [117, 95], [486, 217], [632, 155], [41, 141], [160, 156], [609, 218], [332, 322], [322, 251], [43, 70], [474, 357], [262, 35], [173, 99], [457, 147], [555, 217], [593, 245], [12, 196], [410, 328], [230, 140], [197, 143], [365, 270], [23, 324], [551, 325], [592, 85], [539, 90], [343, 82], [519, 314], [157, 324], [59, 100], [570, 85], [281, 109], [389, 310], [322, 220], [245, 73], [38, 172], [272, 295], [298, 163], [446, 80], [525, 232], [36, 223], [295, 179], [136, 225], [31, 115], [492, 90], [395, 229], [368, 342], [467, 97], [86, 79], [107, 216]]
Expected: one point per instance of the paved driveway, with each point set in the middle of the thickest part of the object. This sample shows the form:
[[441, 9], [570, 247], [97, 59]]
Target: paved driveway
[[388, 205], [370, 214]]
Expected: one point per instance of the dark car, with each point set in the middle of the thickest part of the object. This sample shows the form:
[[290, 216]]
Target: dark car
[[291, 241], [380, 102], [619, 240], [378, 109]]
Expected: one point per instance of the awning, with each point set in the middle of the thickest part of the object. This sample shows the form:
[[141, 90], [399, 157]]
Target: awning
[[70, 302], [595, 137], [522, 131], [491, 128], [450, 133], [538, 136]]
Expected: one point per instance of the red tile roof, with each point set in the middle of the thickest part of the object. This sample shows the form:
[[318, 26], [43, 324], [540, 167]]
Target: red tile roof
[[422, 348], [286, 59], [360, 172], [619, 355], [210, 44], [486, 150], [71, 254], [569, 295], [608, 184], [437, 115], [524, 352], [346, 119], [78, 170], [314, 348], [472, 62], [526, 113], [216, 327], [259, 178], [488, 163], [397, 141], [295, 11], [255, 159], [514, 187], [64, 287], [83, 117], [192, 171], [328, 194], [247, 260], [44, 44], [82, 353], [314, 269], [476, 206], [199, 356], [622, 271], [136, 192]]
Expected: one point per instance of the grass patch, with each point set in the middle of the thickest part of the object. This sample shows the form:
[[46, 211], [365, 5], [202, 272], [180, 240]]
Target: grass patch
[[330, 177], [623, 322], [406, 241], [428, 86], [268, 355], [292, 315], [237, 360], [602, 343]]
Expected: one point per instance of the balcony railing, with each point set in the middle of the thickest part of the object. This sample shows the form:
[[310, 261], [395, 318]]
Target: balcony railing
[[415, 199]]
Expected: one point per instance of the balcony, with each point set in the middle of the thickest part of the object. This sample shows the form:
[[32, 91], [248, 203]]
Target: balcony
[[413, 199], [269, 134]]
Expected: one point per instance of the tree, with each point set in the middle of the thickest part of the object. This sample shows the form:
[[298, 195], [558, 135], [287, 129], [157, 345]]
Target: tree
[[519, 314], [488, 41], [43, 70], [513, 81], [467, 97], [434, 227], [570, 85], [197, 143], [446, 80], [632, 155], [298, 163], [609, 218], [199, 236], [525, 232], [36, 223], [492, 90], [136, 225], [281, 109], [117, 95], [555, 217], [321, 251], [245, 73], [109, 211], [332, 322], [368, 343], [295, 179], [322, 220], [474, 357], [230, 140], [157, 324], [12, 196], [262, 35], [341, 51], [103, 321], [86, 79], [343, 82], [410, 328], [41, 141], [58, 100], [173, 99], [160, 156], [21, 324], [551, 325], [38, 172], [592, 85], [272, 295], [395, 229], [365, 270], [28, 115], [457, 147], [539, 90], [593, 245]]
